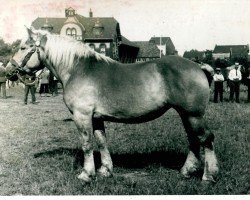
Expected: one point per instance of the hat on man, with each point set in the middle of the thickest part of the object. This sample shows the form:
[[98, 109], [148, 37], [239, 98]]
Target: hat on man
[[217, 69], [237, 64]]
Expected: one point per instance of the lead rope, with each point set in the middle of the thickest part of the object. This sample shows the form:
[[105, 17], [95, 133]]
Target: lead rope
[[33, 83]]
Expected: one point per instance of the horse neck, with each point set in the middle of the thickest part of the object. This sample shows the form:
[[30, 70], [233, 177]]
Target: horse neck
[[61, 74], [62, 55], [60, 69]]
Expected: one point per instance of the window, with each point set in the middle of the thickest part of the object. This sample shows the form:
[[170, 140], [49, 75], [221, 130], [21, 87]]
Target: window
[[92, 46], [71, 32], [98, 28], [97, 31], [68, 31], [103, 49]]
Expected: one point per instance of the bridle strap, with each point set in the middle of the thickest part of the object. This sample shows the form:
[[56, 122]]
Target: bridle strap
[[21, 79], [14, 63], [26, 59]]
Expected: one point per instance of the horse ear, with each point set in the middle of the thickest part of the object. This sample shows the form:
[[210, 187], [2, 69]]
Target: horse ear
[[43, 41], [31, 34]]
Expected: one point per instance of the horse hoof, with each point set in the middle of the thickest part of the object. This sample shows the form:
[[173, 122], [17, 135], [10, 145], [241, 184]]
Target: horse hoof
[[208, 179], [185, 173], [84, 177], [104, 172]]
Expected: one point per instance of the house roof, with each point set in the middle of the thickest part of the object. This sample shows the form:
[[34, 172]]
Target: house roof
[[147, 49], [170, 48], [162, 40], [235, 49], [109, 25], [56, 23], [128, 42]]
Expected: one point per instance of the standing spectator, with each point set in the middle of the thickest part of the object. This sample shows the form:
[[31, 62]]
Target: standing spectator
[[29, 81], [218, 85], [248, 86], [235, 78], [44, 87], [53, 83], [3, 80], [55, 86]]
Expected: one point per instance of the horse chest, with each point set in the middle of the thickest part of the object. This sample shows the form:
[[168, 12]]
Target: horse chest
[[80, 96]]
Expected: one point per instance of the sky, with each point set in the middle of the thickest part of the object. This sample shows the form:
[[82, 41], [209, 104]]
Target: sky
[[191, 24]]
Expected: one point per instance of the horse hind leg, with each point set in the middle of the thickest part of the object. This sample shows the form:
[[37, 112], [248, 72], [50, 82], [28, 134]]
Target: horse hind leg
[[106, 168], [197, 136]]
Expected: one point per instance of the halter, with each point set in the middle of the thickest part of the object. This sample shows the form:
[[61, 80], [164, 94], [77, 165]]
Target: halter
[[21, 68], [27, 57]]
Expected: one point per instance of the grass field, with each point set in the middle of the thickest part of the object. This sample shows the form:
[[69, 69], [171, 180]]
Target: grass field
[[41, 154]]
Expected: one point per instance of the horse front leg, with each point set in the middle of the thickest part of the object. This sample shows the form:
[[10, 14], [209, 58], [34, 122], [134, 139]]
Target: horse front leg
[[84, 124], [99, 132]]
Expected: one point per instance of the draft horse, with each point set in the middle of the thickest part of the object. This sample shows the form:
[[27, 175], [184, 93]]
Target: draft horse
[[97, 89]]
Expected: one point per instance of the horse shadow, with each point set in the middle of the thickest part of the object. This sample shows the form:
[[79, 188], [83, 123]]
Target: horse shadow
[[167, 159]]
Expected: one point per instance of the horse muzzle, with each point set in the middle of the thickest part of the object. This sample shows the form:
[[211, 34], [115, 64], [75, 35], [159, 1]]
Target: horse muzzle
[[11, 72]]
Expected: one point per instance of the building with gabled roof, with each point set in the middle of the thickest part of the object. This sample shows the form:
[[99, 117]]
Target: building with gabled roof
[[100, 33], [230, 51], [165, 44], [148, 51]]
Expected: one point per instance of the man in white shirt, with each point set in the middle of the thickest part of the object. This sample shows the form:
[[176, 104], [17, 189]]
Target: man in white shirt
[[235, 78], [218, 85], [248, 85]]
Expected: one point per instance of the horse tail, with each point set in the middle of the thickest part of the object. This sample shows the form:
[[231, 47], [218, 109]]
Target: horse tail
[[209, 75]]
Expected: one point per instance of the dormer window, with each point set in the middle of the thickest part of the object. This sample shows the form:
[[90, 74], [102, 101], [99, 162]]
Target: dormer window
[[70, 12], [98, 28], [47, 26]]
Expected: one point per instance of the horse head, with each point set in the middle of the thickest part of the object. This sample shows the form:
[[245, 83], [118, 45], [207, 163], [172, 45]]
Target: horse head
[[29, 56]]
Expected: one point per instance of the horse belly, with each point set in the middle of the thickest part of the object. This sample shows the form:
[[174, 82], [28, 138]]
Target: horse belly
[[135, 102]]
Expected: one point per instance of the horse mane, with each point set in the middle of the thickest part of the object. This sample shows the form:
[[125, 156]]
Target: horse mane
[[65, 51]]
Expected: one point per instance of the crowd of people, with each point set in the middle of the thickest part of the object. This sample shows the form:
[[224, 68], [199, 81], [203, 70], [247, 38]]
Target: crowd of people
[[234, 82], [45, 81]]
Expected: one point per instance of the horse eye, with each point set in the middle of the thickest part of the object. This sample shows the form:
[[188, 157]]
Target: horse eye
[[31, 45], [23, 48]]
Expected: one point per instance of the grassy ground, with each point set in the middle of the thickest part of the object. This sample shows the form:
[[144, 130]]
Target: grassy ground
[[41, 154]]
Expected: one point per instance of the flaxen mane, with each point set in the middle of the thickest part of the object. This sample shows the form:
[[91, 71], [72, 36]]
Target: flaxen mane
[[63, 51]]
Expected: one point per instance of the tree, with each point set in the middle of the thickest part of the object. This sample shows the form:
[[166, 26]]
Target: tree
[[208, 57], [222, 63], [7, 50]]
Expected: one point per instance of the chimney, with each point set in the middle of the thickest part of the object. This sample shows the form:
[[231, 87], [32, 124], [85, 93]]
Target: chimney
[[90, 13]]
